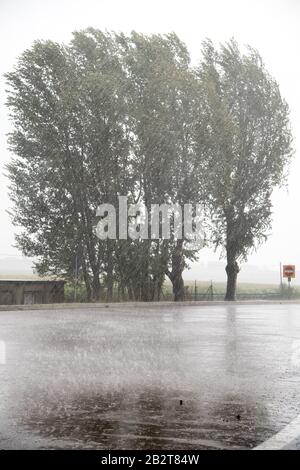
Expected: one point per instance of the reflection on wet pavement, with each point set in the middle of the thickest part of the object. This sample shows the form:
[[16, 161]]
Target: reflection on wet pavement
[[148, 378]]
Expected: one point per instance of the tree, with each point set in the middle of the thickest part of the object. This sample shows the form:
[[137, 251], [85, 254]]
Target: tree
[[106, 115], [161, 102], [244, 151], [71, 150], [110, 115]]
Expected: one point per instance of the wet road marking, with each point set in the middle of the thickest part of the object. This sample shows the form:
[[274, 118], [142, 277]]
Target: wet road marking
[[283, 438]]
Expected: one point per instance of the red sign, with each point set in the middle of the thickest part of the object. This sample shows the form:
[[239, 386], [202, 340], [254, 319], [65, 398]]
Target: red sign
[[289, 270]]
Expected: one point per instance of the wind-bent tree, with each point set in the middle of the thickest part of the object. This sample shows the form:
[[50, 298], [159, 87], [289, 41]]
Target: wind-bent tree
[[71, 150], [244, 151], [106, 115], [111, 115], [162, 97]]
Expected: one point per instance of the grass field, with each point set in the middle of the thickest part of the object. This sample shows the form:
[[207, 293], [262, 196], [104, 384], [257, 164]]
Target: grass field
[[243, 288], [221, 286], [23, 277], [203, 288]]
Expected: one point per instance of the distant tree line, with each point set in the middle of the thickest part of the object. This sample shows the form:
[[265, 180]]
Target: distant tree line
[[114, 114]]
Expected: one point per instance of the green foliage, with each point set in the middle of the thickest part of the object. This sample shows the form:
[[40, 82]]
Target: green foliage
[[244, 149], [246, 146]]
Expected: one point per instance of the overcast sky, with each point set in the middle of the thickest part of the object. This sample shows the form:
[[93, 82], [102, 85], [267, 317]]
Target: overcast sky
[[271, 26]]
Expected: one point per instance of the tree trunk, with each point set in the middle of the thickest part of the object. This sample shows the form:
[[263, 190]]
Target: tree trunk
[[175, 275], [232, 270], [110, 279], [145, 288], [157, 284], [130, 292], [122, 292], [86, 281], [145, 295], [110, 288], [178, 287], [96, 288]]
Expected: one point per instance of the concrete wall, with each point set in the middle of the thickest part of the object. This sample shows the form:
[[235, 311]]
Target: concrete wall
[[31, 292]]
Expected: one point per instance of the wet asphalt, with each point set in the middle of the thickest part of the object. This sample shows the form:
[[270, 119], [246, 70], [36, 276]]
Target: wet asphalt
[[167, 377]]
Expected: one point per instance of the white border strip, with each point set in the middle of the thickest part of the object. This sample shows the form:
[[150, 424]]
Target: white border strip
[[283, 438]]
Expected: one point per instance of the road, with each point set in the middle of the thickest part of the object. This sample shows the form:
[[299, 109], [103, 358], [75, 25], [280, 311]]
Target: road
[[161, 377]]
